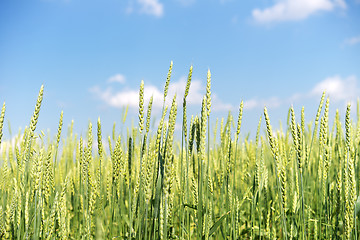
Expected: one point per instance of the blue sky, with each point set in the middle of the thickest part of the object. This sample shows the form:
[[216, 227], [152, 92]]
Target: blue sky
[[92, 55]]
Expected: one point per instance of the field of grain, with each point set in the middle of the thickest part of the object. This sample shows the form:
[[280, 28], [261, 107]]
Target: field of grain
[[296, 183]]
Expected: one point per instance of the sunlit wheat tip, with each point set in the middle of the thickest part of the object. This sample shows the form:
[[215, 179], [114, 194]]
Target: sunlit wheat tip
[[148, 114], [208, 92], [184, 118], [141, 107], [59, 128], [303, 120], [347, 126], [2, 120], [166, 88], [239, 118], [319, 108], [188, 82], [100, 145]]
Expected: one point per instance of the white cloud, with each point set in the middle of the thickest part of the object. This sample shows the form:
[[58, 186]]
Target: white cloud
[[218, 105], [292, 10], [117, 78], [196, 91], [250, 104], [352, 41], [272, 102], [338, 88], [127, 97], [130, 97], [151, 7]]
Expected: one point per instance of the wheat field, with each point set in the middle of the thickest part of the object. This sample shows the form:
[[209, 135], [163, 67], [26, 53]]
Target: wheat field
[[209, 183]]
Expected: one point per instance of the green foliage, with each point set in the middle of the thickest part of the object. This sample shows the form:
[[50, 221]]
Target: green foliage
[[300, 184]]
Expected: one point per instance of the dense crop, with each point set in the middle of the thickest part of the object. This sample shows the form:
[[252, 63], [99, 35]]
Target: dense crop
[[295, 184]]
